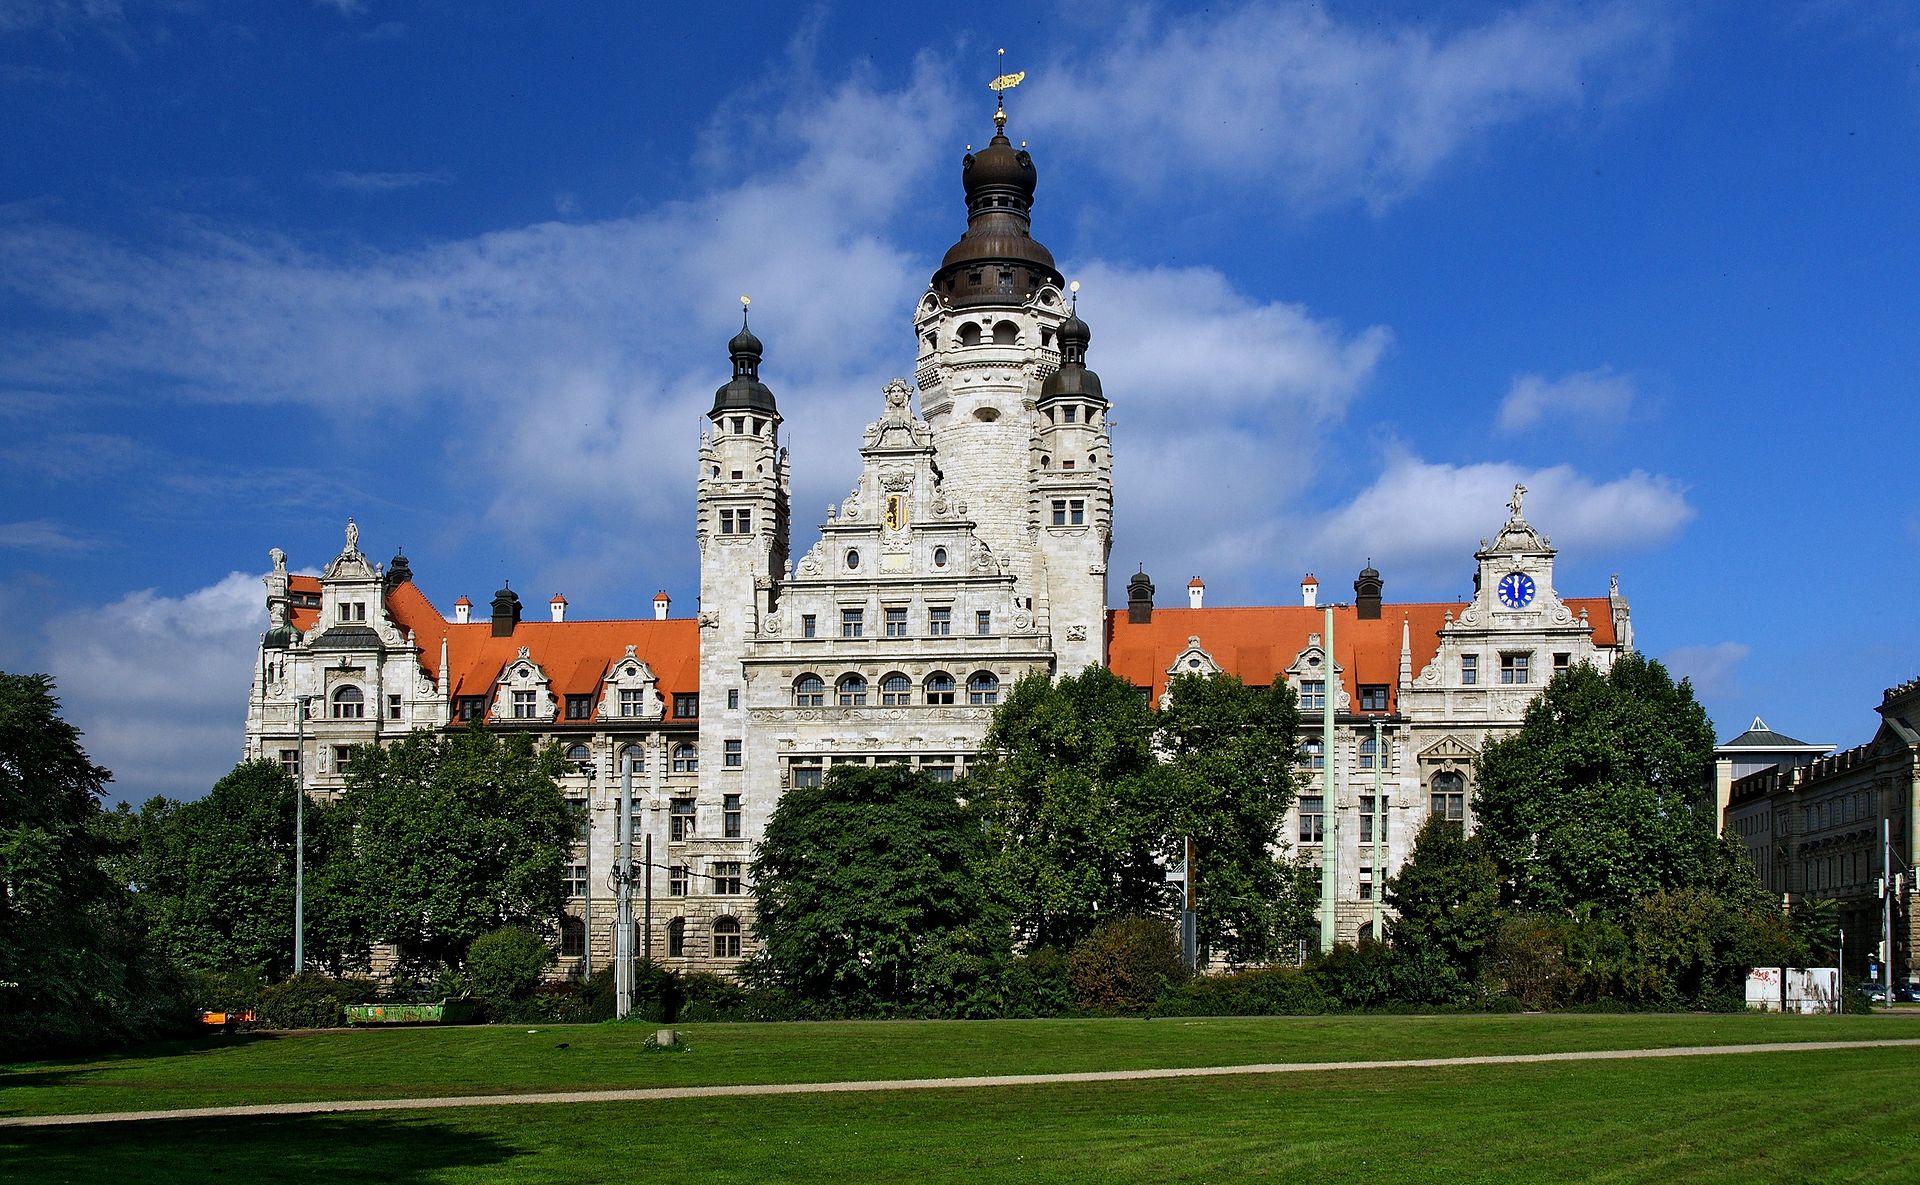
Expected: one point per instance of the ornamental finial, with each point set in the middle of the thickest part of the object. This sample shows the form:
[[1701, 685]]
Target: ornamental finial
[[1001, 84]]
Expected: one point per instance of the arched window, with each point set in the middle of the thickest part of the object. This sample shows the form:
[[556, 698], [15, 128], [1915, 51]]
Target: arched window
[[853, 691], [1312, 756], [969, 334], [940, 688], [686, 758], [726, 938], [634, 755], [809, 691], [1449, 797], [983, 688], [573, 938], [349, 704], [896, 690], [1005, 333], [677, 938], [581, 758]]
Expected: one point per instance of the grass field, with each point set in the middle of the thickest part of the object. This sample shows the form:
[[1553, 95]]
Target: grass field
[[1841, 1116]]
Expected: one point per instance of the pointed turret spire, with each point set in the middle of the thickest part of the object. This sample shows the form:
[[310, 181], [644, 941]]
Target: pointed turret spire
[[745, 391]]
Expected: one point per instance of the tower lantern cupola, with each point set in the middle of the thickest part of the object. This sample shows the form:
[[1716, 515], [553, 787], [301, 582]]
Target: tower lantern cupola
[[1073, 379], [997, 260], [744, 392]]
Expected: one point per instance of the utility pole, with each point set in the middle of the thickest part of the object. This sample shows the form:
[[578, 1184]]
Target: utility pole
[[623, 915], [1189, 912], [1330, 813], [1886, 906], [1379, 831], [300, 703]]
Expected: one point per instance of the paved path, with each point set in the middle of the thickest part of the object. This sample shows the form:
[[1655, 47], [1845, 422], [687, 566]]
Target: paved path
[[657, 1094]]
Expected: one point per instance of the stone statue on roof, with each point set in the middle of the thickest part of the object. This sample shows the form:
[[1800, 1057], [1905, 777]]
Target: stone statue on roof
[[1519, 495], [353, 536]]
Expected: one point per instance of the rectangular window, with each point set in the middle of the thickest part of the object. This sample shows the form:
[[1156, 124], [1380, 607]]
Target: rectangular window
[[896, 621], [1366, 883], [290, 761], [523, 705], [853, 623], [1449, 804], [726, 877], [576, 880], [393, 707], [942, 772], [1070, 414], [342, 758], [1561, 662], [1077, 512], [579, 808], [1313, 695], [1469, 669], [731, 755], [1312, 818], [680, 819], [1059, 512], [726, 522], [1312, 755], [733, 699], [939, 621], [353, 611], [983, 622], [806, 771], [633, 701], [730, 816], [677, 880], [1366, 820], [579, 707], [686, 705], [472, 707], [1373, 697], [743, 522], [809, 626], [1514, 668]]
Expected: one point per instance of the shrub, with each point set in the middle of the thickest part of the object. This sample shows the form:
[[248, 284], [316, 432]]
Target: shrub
[[313, 1001], [1039, 983], [226, 991], [1356, 976], [1529, 957], [506, 964], [1265, 991], [1126, 964]]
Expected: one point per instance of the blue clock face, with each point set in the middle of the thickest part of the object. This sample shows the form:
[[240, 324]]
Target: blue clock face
[[1516, 590]]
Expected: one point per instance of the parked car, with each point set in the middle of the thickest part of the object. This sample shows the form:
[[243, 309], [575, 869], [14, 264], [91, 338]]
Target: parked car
[[1907, 993], [1872, 990]]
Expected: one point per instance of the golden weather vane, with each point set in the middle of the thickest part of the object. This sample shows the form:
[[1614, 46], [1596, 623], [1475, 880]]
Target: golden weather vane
[[1001, 84]]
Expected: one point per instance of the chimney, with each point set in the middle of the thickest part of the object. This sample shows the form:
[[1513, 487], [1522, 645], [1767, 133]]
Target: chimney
[[559, 606], [506, 612], [1140, 598], [462, 611], [1366, 593], [1309, 591], [1196, 593], [660, 603]]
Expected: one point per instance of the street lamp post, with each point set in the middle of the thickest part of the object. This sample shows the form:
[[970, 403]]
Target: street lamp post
[[300, 703]]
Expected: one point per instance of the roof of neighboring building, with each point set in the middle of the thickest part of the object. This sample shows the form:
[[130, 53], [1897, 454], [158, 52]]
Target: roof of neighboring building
[[1258, 643], [575, 655], [1759, 736]]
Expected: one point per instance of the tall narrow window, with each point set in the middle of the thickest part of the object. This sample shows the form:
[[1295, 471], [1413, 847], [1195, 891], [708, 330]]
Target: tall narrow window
[[1077, 512], [680, 818], [730, 816], [732, 755], [1367, 816], [576, 879], [1059, 512], [1449, 799], [726, 938], [393, 707], [1469, 669], [983, 622], [1312, 755], [677, 932], [677, 881], [809, 626], [1313, 818]]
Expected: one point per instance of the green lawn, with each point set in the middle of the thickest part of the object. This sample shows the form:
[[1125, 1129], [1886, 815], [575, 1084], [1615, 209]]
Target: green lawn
[[1825, 1116], [495, 1060]]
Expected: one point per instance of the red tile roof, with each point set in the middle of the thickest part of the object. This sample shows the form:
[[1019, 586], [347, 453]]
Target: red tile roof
[[1259, 643]]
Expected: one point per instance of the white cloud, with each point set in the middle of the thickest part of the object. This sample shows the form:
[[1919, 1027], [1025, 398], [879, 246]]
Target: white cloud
[[158, 684], [1426, 518], [380, 182], [42, 535], [1329, 109], [1714, 668], [59, 15], [1591, 402]]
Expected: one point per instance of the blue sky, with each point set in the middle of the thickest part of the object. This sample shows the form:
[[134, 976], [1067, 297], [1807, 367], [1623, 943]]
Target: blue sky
[[465, 273]]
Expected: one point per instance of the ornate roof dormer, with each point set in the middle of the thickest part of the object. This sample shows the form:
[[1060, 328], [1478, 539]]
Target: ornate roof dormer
[[1517, 535]]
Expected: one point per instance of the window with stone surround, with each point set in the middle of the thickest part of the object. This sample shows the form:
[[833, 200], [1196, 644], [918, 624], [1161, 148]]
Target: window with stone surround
[[726, 938], [896, 690], [807, 771], [1313, 819], [853, 623], [1313, 695], [896, 621], [573, 938], [680, 819], [576, 879], [523, 705], [677, 938], [983, 689], [686, 758], [1469, 670], [983, 622], [730, 816], [1367, 817], [940, 688], [349, 703], [733, 755], [726, 877], [809, 626], [1449, 797], [809, 691], [852, 691], [940, 621], [1516, 667], [677, 880]]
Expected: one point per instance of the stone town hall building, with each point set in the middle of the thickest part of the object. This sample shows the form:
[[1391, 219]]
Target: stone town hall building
[[972, 551]]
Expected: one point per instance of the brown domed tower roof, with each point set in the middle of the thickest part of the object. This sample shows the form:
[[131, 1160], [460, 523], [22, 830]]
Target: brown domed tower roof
[[997, 260]]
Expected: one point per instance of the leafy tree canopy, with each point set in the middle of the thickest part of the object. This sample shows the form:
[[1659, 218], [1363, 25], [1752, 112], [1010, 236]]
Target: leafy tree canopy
[[869, 890], [1602, 796], [1446, 899], [1079, 809], [452, 836], [1231, 753]]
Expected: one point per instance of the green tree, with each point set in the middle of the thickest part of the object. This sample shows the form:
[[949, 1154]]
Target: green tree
[[216, 875], [1079, 810], [74, 968], [871, 896], [1445, 900], [1231, 751], [1601, 797], [452, 836]]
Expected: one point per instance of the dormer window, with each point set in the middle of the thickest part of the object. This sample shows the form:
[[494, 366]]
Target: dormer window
[[352, 610], [1313, 695]]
